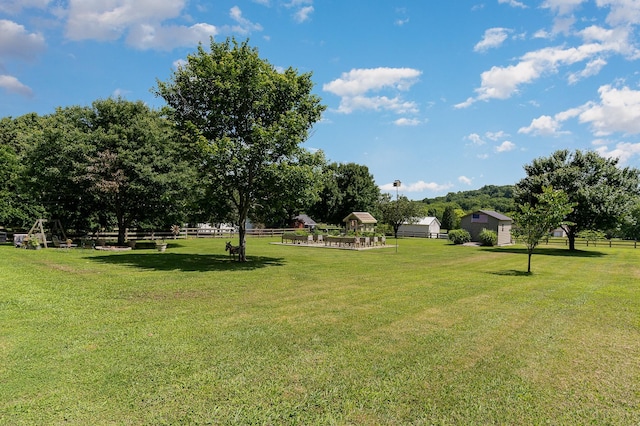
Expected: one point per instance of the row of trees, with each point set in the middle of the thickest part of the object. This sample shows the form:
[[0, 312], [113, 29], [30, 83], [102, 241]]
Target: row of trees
[[121, 164], [227, 148]]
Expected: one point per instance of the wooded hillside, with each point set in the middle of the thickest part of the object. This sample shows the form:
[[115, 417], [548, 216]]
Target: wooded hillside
[[489, 197]]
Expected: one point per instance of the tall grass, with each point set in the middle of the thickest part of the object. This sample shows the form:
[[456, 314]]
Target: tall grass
[[432, 334]]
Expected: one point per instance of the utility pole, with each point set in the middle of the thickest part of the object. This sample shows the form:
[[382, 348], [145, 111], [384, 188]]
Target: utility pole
[[396, 184]]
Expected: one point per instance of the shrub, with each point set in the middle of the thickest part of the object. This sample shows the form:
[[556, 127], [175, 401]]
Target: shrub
[[488, 237], [459, 236]]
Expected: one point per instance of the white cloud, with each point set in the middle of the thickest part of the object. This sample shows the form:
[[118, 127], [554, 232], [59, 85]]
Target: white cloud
[[622, 11], [470, 101], [504, 82], [494, 136], [143, 23], [493, 37], [244, 25], [591, 69], [623, 151], [17, 42], [360, 81], [120, 93], [302, 9], [407, 122], [419, 186], [465, 180], [475, 139], [303, 14], [13, 85], [352, 87], [506, 146], [179, 63], [426, 186], [618, 111], [513, 3], [15, 6], [542, 126], [109, 20], [562, 7], [542, 34], [169, 37]]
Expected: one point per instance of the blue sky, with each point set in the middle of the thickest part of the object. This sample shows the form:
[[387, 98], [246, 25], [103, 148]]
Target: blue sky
[[442, 95]]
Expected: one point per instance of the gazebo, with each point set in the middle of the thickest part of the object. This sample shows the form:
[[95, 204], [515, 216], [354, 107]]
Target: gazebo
[[360, 222]]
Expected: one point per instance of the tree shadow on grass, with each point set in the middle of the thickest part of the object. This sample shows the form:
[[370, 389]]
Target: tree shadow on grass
[[544, 251], [187, 262], [512, 273]]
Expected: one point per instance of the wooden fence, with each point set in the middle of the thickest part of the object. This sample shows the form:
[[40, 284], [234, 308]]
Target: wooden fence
[[422, 234], [134, 235], [614, 242]]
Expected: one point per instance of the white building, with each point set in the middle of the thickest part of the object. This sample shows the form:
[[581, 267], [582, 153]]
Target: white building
[[426, 227]]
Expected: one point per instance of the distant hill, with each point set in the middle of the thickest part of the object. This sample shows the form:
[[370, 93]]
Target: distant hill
[[489, 197]]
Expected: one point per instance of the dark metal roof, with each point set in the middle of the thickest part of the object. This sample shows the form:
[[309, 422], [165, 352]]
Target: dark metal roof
[[495, 215], [305, 219]]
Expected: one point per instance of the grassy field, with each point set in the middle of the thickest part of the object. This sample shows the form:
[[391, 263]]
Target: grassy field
[[432, 334]]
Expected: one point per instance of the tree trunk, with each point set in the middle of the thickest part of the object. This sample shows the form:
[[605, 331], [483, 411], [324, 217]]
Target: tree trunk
[[572, 241], [242, 257], [529, 262], [122, 230]]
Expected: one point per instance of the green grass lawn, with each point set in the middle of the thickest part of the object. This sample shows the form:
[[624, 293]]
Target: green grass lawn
[[432, 334]]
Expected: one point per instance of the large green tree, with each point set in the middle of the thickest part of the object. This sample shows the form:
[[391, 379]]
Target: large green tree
[[115, 163], [299, 183], [534, 220], [245, 118], [348, 187], [602, 192], [18, 210]]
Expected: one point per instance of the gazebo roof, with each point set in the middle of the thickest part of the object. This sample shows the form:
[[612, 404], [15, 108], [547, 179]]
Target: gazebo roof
[[362, 217]]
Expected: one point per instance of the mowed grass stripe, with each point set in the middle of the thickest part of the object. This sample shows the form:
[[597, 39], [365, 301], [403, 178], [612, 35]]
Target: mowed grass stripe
[[433, 334]]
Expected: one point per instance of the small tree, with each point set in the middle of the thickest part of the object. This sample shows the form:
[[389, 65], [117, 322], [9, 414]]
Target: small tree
[[449, 218], [534, 221], [397, 212]]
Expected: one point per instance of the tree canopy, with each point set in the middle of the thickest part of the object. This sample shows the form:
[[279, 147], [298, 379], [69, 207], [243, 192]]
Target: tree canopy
[[534, 220], [347, 188], [399, 211], [602, 192], [114, 163], [245, 120]]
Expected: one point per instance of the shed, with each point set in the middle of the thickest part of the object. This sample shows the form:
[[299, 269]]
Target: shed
[[475, 222], [303, 221], [360, 222], [428, 227]]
